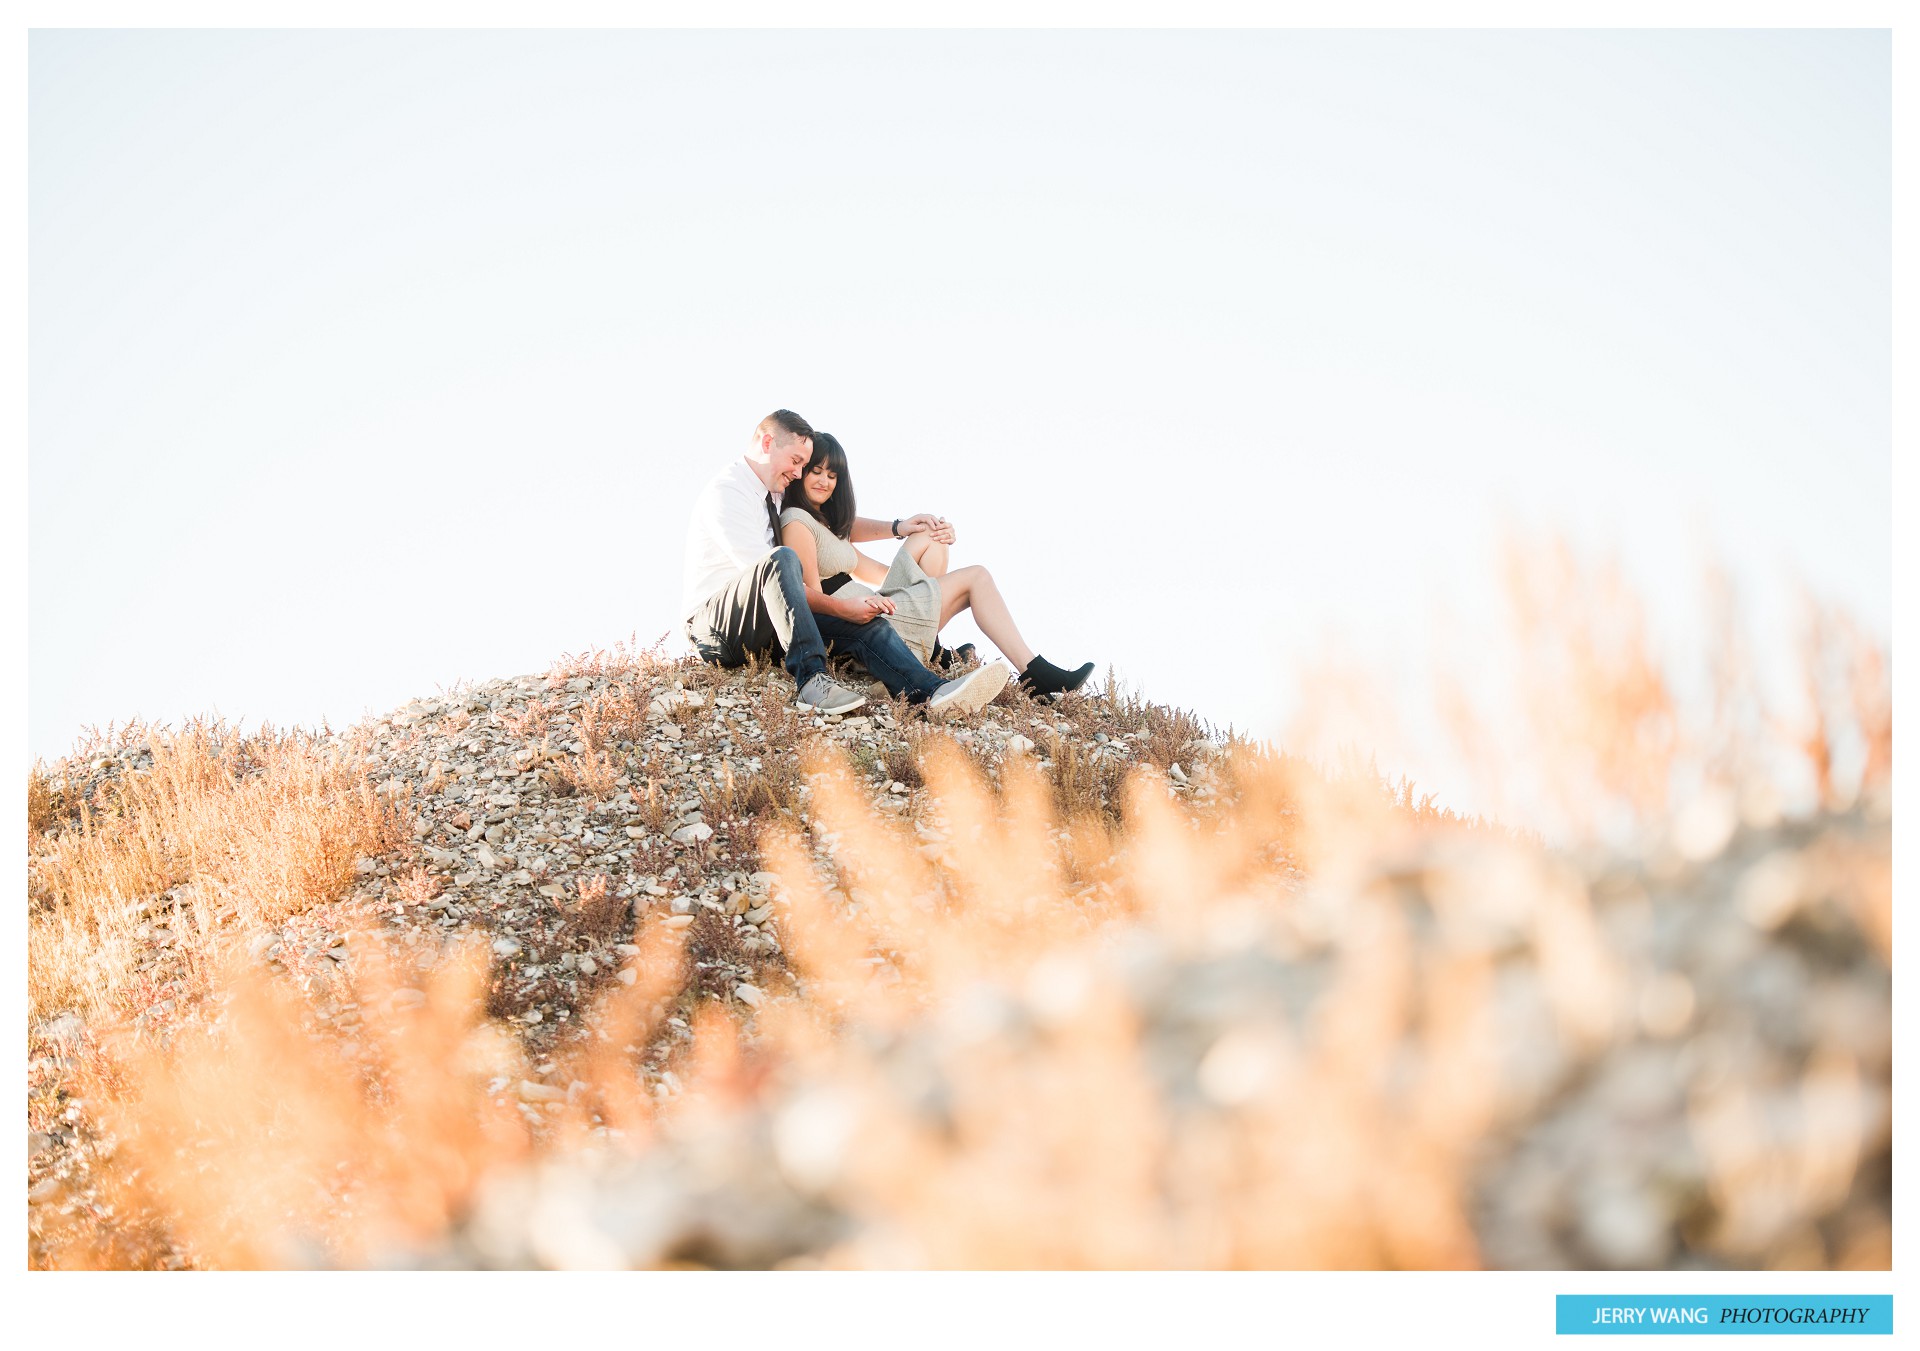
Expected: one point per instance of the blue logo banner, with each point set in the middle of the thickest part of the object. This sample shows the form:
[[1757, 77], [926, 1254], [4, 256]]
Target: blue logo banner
[[1665, 1315]]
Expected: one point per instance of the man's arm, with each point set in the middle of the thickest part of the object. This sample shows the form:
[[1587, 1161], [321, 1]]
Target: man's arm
[[866, 529]]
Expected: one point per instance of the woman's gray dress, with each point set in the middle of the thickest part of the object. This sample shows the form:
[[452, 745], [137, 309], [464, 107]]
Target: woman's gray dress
[[915, 596]]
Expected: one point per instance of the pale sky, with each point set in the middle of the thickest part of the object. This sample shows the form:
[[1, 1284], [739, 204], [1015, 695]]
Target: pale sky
[[361, 364]]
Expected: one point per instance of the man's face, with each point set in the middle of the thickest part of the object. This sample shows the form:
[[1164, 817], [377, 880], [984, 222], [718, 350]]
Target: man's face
[[788, 456]]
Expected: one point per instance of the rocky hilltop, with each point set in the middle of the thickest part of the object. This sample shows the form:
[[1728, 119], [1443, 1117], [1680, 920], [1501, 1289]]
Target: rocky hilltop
[[1077, 982]]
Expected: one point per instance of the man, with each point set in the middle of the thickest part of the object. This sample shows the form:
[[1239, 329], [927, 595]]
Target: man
[[744, 591]]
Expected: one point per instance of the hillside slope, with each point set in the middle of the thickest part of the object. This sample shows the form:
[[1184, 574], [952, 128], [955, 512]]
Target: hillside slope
[[1074, 983]]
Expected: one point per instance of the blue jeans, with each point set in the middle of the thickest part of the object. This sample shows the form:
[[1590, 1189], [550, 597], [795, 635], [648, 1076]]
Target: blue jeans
[[883, 652], [764, 609]]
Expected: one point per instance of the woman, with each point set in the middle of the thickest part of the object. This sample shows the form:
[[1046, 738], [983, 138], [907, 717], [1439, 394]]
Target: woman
[[919, 596]]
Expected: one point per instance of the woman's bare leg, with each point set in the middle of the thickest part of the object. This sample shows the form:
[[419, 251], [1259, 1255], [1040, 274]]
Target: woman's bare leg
[[974, 588], [928, 552]]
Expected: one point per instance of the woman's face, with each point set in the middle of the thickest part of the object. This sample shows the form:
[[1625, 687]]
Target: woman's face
[[818, 484]]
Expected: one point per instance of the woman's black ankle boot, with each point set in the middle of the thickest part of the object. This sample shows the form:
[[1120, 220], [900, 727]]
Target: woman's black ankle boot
[[1042, 677]]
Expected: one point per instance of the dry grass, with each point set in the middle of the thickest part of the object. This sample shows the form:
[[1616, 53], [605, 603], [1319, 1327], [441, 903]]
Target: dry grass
[[419, 886], [530, 723], [624, 661], [44, 806], [243, 831], [650, 804], [594, 773], [1084, 782], [598, 912], [772, 789]]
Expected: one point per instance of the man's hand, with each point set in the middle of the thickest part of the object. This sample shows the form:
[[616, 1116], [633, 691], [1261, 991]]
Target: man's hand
[[866, 609], [926, 521]]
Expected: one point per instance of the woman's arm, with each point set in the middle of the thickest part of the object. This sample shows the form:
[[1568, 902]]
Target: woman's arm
[[869, 570], [796, 536]]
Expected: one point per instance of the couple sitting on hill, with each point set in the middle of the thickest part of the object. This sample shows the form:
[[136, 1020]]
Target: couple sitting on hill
[[763, 579]]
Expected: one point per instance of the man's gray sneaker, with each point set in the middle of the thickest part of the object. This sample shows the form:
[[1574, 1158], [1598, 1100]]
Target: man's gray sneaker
[[828, 697], [971, 692]]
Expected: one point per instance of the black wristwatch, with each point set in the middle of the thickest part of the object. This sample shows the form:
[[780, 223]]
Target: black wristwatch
[[896, 527]]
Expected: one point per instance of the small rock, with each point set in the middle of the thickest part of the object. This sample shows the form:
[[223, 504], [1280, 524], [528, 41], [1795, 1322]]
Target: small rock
[[553, 891], [693, 834], [748, 995], [759, 915], [677, 921], [628, 976], [1019, 745], [587, 966], [529, 1091], [407, 998], [506, 947]]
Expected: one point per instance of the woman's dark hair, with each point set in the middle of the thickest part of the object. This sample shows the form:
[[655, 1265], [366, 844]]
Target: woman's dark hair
[[836, 513]]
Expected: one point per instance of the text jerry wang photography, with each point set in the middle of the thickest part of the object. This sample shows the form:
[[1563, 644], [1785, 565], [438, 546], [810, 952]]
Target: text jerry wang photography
[[967, 651]]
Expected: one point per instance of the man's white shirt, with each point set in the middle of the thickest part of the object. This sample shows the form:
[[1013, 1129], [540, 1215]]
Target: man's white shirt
[[729, 530]]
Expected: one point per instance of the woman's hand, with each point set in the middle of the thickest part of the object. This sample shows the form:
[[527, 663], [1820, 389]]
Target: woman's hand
[[927, 522], [866, 609]]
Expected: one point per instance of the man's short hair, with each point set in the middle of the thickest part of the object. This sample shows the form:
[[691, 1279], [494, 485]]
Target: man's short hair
[[785, 420]]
